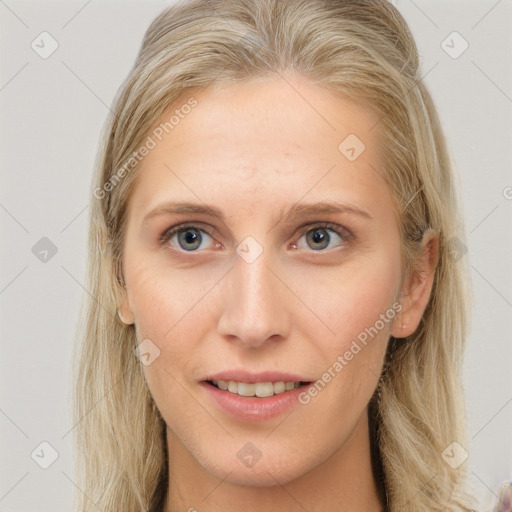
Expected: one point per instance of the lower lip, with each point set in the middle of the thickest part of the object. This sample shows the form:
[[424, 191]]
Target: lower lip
[[252, 408]]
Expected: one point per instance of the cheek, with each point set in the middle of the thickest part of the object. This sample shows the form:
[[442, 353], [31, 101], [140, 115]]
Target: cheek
[[358, 303], [359, 307], [350, 299], [167, 313], [170, 311], [164, 300]]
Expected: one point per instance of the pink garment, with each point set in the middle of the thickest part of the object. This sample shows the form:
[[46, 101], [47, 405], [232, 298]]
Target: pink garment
[[504, 501]]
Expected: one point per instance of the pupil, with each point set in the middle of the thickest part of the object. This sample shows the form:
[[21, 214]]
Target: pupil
[[319, 235], [190, 236]]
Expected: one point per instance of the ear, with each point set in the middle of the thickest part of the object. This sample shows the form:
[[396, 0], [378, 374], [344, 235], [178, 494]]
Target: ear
[[124, 311], [416, 288]]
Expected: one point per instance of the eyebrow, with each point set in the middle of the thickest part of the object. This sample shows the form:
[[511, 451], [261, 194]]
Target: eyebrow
[[297, 210]]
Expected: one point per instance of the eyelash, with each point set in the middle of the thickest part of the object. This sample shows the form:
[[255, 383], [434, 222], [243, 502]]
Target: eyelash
[[342, 232]]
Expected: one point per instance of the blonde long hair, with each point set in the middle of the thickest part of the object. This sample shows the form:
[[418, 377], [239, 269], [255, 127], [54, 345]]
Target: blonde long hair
[[364, 51]]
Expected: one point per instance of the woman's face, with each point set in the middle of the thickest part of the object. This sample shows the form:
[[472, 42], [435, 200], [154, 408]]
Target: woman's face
[[287, 269]]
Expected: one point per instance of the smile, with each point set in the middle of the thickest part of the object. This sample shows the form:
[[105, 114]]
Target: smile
[[258, 389]]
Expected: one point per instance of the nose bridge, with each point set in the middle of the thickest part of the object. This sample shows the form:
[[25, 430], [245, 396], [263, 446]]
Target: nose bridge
[[254, 308]]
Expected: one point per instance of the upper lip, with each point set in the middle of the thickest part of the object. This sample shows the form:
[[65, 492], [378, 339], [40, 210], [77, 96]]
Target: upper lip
[[251, 378]]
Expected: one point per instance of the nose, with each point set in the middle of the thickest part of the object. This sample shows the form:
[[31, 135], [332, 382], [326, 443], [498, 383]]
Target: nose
[[256, 303]]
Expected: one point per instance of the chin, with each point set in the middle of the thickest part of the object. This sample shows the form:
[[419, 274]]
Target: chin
[[260, 475], [248, 466]]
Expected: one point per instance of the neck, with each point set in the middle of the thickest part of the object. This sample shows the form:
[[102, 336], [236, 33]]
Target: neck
[[344, 482]]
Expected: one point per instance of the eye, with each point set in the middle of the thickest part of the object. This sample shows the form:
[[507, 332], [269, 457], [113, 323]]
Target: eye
[[319, 237], [189, 238]]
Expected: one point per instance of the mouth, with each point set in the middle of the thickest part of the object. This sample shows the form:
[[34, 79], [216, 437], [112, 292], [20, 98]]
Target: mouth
[[256, 389], [254, 397]]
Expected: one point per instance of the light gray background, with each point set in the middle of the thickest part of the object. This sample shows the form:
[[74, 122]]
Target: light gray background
[[52, 112]]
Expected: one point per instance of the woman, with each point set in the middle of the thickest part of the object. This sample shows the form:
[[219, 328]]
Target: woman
[[278, 305]]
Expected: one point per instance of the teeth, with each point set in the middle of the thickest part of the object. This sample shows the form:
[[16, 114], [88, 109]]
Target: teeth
[[259, 389], [221, 384], [245, 389]]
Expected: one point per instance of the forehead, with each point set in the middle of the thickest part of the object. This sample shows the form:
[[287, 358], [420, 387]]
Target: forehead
[[260, 143]]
